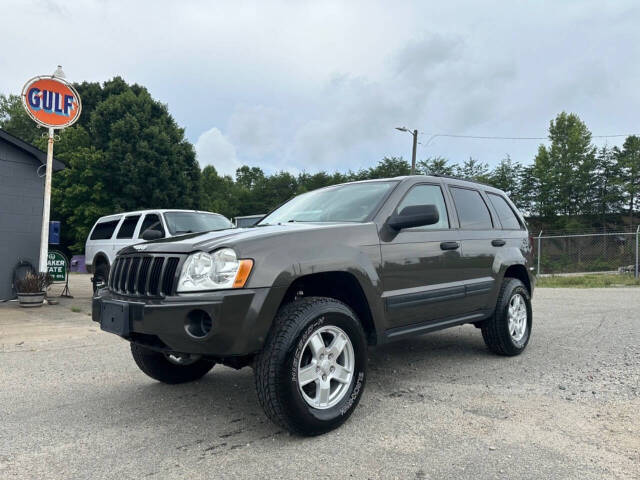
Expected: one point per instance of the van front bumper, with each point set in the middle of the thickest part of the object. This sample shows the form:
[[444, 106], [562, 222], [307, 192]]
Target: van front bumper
[[238, 320]]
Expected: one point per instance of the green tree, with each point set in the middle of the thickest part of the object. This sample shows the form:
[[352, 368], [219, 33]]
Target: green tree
[[126, 153], [307, 182], [273, 191], [435, 166], [629, 162], [249, 177], [473, 169], [15, 120], [564, 169], [526, 201], [389, 167], [607, 188], [507, 176], [218, 193]]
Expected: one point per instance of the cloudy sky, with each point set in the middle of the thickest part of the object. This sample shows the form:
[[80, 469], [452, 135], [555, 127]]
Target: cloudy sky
[[310, 85]]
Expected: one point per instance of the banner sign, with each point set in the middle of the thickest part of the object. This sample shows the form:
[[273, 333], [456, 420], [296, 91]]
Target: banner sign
[[51, 101], [57, 266]]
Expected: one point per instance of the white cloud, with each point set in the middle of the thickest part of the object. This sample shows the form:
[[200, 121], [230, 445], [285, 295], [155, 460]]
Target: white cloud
[[321, 85], [257, 130], [213, 148]]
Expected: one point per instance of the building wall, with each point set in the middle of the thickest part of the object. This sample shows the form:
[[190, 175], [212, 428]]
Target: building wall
[[21, 197]]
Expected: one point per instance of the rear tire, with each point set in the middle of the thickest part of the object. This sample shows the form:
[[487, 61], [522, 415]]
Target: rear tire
[[508, 331], [159, 367], [311, 373]]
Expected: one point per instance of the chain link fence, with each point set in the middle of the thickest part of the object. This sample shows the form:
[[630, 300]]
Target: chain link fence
[[593, 252]]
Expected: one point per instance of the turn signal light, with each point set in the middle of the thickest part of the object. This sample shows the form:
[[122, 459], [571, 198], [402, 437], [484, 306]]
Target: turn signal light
[[243, 273]]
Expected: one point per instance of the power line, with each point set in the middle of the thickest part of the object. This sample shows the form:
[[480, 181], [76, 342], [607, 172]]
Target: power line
[[490, 137]]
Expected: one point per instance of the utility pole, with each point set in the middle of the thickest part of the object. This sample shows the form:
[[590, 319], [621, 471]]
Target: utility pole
[[414, 133]]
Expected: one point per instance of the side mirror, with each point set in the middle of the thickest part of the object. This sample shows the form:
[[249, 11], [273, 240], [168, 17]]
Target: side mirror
[[150, 234], [414, 216]]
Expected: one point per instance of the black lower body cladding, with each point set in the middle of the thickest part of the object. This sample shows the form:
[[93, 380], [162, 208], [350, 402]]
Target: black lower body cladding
[[236, 321]]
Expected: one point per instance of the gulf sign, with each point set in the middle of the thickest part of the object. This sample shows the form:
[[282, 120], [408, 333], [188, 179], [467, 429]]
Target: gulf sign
[[51, 101]]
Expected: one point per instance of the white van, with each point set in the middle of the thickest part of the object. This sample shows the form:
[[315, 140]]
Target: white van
[[114, 232]]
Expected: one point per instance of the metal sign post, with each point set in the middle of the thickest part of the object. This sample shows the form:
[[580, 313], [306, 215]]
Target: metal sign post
[[637, 273], [44, 235], [58, 269], [54, 103], [539, 251]]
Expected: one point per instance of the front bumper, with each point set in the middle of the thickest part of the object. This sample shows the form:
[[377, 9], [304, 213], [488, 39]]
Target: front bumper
[[240, 320]]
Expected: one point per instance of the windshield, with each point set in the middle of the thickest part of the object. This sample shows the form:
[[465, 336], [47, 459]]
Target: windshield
[[193, 222], [354, 202]]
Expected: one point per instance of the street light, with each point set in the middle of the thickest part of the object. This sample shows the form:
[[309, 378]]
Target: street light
[[414, 133]]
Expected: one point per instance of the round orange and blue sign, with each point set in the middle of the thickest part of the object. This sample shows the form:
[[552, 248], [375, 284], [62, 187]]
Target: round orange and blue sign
[[51, 101]]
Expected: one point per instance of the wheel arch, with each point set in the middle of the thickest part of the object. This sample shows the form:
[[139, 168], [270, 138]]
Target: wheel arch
[[100, 258], [340, 285], [519, 271]]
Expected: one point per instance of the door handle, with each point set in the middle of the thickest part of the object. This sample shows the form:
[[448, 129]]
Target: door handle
[[498, 242], [449, 246]]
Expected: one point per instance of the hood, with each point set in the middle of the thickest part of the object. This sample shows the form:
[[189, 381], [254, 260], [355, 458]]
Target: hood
[[207, 241]]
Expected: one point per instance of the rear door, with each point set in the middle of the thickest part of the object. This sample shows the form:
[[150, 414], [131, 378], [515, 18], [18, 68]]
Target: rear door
[[421, 266], [478, 229]]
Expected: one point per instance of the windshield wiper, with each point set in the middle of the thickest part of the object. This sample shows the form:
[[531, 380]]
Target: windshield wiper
[[179, 232]]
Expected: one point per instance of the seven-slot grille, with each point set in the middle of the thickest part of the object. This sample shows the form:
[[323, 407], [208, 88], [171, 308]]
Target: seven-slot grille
[[143, 275]]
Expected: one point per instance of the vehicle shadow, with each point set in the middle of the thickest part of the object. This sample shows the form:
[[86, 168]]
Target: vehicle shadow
[[221, 411]]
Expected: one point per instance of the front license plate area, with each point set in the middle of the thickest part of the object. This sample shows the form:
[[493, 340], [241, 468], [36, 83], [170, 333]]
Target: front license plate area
[[114, 317]]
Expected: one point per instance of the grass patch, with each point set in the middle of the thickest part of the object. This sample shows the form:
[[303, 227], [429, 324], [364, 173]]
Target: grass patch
[[76, 309], [588, 281]]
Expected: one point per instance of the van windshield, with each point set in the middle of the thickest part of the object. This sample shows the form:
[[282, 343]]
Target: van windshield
[[351, 202], [193, 222]]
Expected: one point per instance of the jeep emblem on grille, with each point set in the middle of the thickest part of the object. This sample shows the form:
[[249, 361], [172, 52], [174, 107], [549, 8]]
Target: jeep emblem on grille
[[139, 247]]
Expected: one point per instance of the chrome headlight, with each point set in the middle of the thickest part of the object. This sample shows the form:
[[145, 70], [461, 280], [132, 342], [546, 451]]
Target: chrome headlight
[[213, 271]]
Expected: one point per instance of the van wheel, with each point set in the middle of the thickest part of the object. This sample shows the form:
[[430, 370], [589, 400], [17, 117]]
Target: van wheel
[[508, 331], [311, 373], [100, 276], [170, 368]]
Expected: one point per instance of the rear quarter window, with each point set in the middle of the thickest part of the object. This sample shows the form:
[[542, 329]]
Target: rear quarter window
[[507, 216], [473, 213], [104, 230]]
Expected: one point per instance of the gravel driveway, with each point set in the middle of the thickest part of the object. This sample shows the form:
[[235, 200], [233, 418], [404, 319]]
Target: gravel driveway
[[74, 405]]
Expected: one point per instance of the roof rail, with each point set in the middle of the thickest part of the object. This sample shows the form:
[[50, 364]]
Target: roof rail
[[453, 177]]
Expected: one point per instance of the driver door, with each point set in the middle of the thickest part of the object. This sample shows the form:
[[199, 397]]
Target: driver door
[[421, 265]]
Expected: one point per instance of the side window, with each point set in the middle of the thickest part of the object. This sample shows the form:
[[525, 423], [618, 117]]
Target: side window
[[128, 227], [472, 211], [151, 220], [507, 217], [427, 195], [104, 230]]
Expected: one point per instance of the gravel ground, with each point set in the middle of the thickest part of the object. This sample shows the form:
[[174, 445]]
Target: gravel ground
[[74, 405]]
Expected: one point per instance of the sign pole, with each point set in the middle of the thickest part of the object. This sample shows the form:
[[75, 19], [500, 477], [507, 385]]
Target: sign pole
[[44, 235]]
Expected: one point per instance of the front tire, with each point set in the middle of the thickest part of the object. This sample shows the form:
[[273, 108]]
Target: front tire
[[168, 368], [100, 276], [508, 331], [311, 373]]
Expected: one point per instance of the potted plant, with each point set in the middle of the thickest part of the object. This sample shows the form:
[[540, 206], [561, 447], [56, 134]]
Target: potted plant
[[32, 289]]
